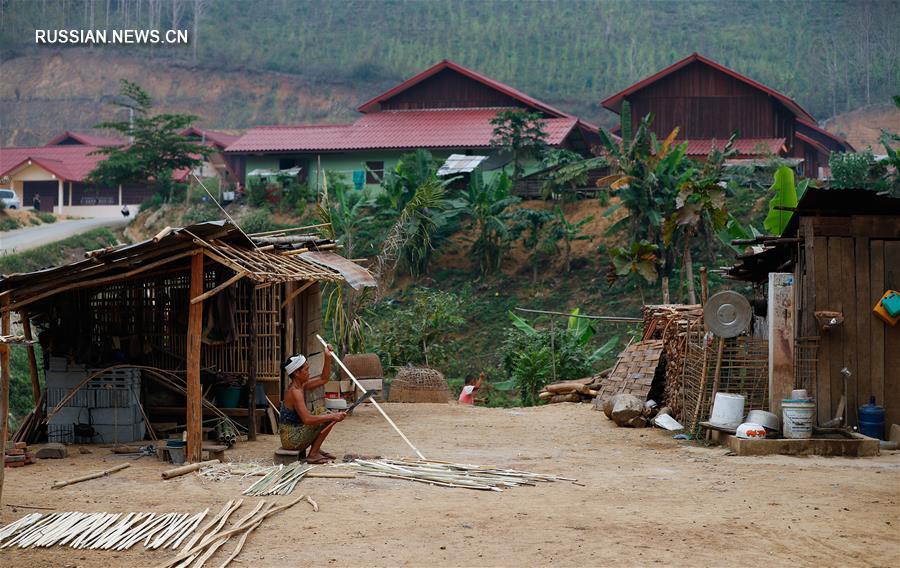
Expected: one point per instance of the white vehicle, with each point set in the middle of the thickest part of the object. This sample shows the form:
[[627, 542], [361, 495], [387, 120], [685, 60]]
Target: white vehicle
[[10, 199]]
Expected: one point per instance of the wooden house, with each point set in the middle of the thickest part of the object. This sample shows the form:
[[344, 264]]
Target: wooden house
[[204, 302], [446, 109], [707, 102], [843, 248]]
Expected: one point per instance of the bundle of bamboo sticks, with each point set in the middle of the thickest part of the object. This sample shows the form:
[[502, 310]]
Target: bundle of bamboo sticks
[[446, 474], [100, 531], [280, 480]]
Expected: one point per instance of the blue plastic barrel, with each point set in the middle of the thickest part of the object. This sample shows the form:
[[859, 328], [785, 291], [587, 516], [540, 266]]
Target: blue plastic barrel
[[871, 419]]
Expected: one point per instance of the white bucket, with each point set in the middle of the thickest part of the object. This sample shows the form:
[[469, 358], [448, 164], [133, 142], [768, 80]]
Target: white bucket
[[728, 410], [797, 417]]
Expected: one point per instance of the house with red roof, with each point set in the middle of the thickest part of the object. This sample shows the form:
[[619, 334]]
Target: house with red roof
[[707, 102], [446, 109], [57, 172]]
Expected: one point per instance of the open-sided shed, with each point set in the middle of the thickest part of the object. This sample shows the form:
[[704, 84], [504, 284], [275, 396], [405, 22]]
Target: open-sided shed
[[206, 297]]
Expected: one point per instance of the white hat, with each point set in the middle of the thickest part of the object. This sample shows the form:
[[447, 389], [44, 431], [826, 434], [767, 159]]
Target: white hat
[[294, 363]]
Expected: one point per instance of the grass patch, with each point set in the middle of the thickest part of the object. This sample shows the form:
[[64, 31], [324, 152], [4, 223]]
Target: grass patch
[[45, 216], [60, 252], [8, 223]]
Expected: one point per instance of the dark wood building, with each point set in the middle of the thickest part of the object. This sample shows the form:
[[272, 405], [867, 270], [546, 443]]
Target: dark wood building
[[707, 102], [843, 247]]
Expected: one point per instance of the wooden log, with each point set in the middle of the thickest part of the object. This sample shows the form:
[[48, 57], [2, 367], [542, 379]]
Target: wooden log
[[182, 470], [219, 288], [194, 393], [90, 476]]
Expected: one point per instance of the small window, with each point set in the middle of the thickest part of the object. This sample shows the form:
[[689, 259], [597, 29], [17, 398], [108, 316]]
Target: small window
[[6, 194], [374, 172]]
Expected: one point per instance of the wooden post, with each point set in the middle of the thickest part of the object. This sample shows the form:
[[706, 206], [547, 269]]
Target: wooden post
[[4, 394], [32, 360], [253, 348], [704, 285], [288, 349], [781, 316], [194, 392]]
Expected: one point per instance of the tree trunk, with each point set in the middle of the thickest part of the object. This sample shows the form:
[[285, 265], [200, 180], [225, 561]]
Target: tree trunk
[[689, 272], [665, 289]]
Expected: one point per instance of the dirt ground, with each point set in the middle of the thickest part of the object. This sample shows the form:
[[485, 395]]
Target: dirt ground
[[648, 499]]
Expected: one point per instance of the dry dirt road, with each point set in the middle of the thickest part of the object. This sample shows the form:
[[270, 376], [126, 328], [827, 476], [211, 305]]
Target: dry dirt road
[[648, 500]]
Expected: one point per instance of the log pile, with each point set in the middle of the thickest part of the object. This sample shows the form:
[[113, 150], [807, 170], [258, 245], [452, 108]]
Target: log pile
[[673, 324], [17, 455], [577, 390]]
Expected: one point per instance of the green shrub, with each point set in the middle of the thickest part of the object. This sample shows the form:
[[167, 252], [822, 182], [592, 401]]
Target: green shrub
[[258, 221], [201, 214], [66, 250], [854, 170], [45, 216], [8, 223], [152, 202]]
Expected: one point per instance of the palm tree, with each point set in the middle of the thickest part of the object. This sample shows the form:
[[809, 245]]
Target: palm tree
[[486, 205]]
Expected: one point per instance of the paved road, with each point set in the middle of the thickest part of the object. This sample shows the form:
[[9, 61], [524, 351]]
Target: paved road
[[30, 237]]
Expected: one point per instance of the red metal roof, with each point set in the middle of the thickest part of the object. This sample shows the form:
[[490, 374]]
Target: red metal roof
[[447, 64], [217, 137], [614, 103], [68, 163], [818, 132], [744, 146], [406, 129], [86, 139]]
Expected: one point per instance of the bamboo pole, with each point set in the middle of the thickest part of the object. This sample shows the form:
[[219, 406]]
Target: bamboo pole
[[170, 473], [219, 288], [4, 393], [90, 476], [253, 347], [194, 393], [374, 402]]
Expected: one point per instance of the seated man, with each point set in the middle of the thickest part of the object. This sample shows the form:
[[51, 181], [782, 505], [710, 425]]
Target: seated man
[[467, 396], [301, 429]]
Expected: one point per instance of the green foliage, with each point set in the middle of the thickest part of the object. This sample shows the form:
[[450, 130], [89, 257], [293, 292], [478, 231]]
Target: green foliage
[[20, 396], [45, 216], [638, 258], [625, 127], [520, 132], [785, 196], [567, 232], [258, 221], [202, 214], [157, 148], [534, 357], [538, 238], [487, 206], [569, 171], [152, 203], [8, 223], [66, 250], [855, 170], [413, 328]]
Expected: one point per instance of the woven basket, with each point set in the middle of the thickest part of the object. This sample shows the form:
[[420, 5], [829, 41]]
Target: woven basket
[[419, 384], [363, 366]]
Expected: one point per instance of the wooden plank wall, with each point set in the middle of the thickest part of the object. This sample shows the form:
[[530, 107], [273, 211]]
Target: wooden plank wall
[[851, 261]]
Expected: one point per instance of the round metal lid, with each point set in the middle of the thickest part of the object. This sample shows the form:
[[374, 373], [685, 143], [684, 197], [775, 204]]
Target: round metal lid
[[727, 314]]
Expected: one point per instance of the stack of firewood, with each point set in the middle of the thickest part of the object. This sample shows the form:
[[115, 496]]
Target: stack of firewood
[[17, 455], [577, 390], [674, 324]]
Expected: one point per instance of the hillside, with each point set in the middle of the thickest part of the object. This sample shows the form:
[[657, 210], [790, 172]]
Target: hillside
[[65, 90], [258, 62], [862, 127]]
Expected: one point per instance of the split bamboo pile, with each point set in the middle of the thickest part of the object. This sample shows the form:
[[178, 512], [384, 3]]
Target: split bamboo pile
[[578, 390], [674, 324], [280, 480], [446, 474], [100, 531]]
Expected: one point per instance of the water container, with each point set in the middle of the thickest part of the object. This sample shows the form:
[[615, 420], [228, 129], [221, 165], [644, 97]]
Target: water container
[[871, 419]]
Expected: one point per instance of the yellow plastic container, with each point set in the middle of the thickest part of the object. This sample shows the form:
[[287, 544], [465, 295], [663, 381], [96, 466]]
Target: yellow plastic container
[[882, 313]]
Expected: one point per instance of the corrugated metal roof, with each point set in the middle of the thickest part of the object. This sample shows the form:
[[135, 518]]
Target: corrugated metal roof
[[744, 146], [460, 164], [68, 163], [406, 129], [86, 139]]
